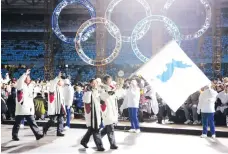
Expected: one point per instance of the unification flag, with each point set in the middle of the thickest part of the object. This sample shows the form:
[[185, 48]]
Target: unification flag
[[173, 75]]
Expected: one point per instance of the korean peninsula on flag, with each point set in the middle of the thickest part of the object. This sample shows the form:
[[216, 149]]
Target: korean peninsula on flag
[[173, 75]]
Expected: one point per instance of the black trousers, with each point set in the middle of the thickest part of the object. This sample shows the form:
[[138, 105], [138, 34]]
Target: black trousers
[[30, 120], [51, 122], [96, 137], [109, 130], [161, 113]]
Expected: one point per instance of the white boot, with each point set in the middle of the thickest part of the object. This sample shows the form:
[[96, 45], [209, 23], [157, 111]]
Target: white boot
[[137, 131], [22, 126], [213, 136], [203, 136], [66, 128], [131, 130]]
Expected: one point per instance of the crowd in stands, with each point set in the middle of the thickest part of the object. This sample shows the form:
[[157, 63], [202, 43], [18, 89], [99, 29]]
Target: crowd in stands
[[32, 51], [67, 25], [22, 51]]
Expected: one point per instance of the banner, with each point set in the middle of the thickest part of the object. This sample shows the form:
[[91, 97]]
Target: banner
[[173, 75]]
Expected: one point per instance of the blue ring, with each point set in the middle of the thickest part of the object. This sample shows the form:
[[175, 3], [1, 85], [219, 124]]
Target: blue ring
[[58, 9]]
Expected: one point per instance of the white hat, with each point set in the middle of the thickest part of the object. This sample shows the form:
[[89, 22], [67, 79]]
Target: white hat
[[67, 81], [113, 83], [98, 80]]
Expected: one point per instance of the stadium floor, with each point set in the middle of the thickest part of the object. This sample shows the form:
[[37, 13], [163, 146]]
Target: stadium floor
[[153, 127], [127, 142]]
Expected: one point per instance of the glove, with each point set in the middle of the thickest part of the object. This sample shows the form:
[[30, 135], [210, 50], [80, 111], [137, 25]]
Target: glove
[[147, 97], [198, 111], [111, 92], [68, 107]]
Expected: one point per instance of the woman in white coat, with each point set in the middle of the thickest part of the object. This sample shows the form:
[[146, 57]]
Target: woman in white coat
[[25, 106], [56, 105], [132, 99], [91, 98]]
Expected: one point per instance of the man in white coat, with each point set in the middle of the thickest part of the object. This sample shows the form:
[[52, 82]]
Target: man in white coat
[[132, 99], [56, 105], [25, 106], [68, 93], [92, 106], [207, 108], [109, 111]]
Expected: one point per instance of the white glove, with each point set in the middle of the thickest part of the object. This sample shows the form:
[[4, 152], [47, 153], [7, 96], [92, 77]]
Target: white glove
[[68, 107], [198, 111]]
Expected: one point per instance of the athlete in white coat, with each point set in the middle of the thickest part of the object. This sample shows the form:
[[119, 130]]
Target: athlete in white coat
[[92, 106], [207, 108], [109, 111], [56, 105], [68, 93], [132, 102], [25, 106]]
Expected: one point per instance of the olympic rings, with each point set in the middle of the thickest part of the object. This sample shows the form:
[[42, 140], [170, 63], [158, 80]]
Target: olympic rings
[[204, 27], [172, 28], [146, 27], [111, 27], [58, 9], [139, 31]]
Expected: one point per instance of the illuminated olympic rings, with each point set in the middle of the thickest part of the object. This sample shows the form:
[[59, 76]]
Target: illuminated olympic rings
[[139, 31], [114, 3], [171, 27], [110, 27], [204, 27], [58, 9]]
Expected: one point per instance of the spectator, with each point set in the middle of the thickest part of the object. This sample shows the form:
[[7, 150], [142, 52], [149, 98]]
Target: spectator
[[78, 99], [39, 103], [192, 103], [222, 105]]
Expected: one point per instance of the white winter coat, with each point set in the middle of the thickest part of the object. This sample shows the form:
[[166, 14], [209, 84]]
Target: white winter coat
[[110, 114], [96, 103], [58, 103], [25, 106], [68, 93], [132, 98], [207, 101]]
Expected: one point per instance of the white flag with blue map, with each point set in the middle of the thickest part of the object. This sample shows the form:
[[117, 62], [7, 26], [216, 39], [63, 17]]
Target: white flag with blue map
[[173, 75]]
